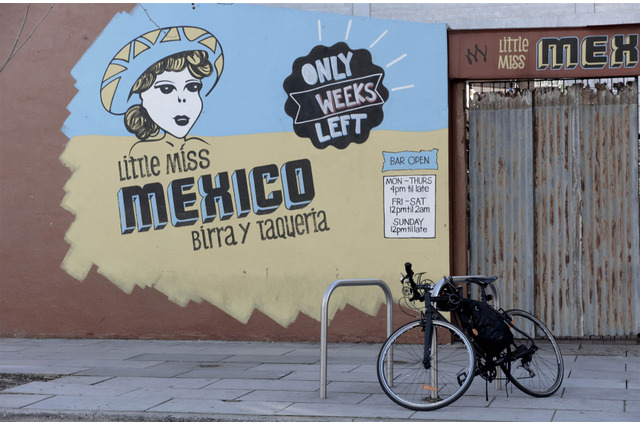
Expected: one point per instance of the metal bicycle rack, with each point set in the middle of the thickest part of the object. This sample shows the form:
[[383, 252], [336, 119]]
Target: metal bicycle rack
[[324, 323]]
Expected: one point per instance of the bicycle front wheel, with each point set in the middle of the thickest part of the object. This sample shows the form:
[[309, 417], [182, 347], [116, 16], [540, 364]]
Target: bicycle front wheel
[[406, 379], [538, 368]]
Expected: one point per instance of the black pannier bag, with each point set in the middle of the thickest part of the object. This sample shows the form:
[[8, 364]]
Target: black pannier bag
[[483, 324]]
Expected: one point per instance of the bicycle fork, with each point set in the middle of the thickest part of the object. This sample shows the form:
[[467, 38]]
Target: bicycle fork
[[429, 358]]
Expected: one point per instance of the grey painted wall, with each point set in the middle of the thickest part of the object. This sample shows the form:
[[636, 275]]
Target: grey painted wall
[[487, 15]]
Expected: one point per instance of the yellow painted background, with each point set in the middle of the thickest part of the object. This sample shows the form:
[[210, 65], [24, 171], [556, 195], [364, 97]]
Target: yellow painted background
[[281, 278]]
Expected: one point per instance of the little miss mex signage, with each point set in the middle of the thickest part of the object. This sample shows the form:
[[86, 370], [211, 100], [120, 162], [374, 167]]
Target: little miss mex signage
[[607, 51], [219, 158]]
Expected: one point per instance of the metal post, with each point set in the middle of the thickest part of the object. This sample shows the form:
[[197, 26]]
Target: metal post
[[496, 304], [324, 324]]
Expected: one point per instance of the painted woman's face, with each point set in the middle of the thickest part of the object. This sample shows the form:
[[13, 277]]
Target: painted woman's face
[[173, 101]]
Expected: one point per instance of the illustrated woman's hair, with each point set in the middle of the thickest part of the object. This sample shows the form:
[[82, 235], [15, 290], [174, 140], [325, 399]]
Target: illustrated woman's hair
[[138, 122], [136, 119]]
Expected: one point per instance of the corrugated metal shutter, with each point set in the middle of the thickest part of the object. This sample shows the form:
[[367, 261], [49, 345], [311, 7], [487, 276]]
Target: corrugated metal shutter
[[610, 237], [579, 236], [558, 203], [501, 195]]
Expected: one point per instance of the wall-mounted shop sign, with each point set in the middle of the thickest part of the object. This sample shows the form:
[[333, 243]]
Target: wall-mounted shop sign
[[591, 52], [246, 156]]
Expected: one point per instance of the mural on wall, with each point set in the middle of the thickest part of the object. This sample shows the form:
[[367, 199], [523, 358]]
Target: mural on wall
[[253, 177]]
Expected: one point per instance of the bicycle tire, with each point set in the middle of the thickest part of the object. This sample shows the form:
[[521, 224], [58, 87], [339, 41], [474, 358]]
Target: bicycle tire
[[539, 374], [416, 387]]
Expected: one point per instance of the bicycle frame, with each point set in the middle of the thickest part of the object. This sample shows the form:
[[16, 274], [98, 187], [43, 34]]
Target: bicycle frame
[[430, 313]]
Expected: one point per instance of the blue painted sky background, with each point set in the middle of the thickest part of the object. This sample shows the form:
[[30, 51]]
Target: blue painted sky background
[[260, 44]]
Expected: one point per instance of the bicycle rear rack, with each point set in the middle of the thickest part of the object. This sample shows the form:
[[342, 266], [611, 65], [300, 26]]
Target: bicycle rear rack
[[325, 319]]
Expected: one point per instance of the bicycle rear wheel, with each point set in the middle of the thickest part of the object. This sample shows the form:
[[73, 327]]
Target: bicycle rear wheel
[[540, 371], [412, 385]]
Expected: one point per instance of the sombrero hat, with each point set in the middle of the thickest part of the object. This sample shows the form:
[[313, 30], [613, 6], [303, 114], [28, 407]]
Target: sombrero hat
[[139, 54]]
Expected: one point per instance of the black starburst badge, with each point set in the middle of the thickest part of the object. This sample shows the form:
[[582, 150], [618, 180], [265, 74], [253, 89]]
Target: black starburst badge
[[335, 95]]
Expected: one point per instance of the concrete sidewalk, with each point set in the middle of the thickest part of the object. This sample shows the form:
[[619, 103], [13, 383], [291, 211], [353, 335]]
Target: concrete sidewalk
[[132, 380]]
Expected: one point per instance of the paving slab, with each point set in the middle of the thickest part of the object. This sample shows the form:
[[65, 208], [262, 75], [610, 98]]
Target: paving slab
[[357, 387], [102, 403], [633, 384], [39, 369], [317, 409], [8, 400], [631, 407], [575, 372], [343, 376], [609, 394], [302, 396], [250, 348], [68, 389], [464, 401], [102, 363], [559, 403], [461, 414], [154, 382], [15, 360], [604, 384], [79, 380], [125, 371], [633, 367], [182, 405], [224, 372], [273, 385], [277, 359], [594, 416], [203, 393], [181, 357], [617, 365], [129, 380], [313, 368]]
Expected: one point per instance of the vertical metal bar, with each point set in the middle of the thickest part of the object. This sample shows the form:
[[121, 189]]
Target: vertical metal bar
[[324, 315], [323, 343], [389, 331]]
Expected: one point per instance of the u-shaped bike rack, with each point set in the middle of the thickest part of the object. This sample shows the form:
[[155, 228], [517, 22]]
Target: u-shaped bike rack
[[324, 323]]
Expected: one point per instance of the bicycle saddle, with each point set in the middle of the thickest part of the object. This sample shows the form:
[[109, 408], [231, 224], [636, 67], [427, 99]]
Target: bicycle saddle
[[482, 280]]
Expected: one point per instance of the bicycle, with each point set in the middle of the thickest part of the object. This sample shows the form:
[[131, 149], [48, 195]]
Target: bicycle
[[434, 361]]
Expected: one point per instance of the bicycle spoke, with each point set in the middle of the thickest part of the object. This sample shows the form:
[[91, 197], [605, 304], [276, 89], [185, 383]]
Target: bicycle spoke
[[539, 371], [425, 388]]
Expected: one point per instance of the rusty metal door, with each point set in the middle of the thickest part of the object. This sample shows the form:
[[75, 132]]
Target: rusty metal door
[[501, 221], [554, 204]]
